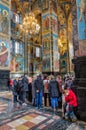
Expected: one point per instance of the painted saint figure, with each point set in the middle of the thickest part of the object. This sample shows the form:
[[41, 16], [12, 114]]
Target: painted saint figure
[[5, 22], [3, 54], [82, 8]]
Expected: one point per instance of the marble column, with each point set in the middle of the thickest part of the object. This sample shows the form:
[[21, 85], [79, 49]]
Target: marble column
[[49, 37], [79, 40], [25, 39], [4, 43]]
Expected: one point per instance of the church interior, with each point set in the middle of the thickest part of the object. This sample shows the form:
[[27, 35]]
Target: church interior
[[41, 36], [49, 47], [44, 37]]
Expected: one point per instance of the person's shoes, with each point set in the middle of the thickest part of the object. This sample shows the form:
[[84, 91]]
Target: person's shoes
[[15, 105], [66, 116], [26, 101], [24, 104], [41, 107], [63, 117], [73, 118], [33, 105], [36, 108]]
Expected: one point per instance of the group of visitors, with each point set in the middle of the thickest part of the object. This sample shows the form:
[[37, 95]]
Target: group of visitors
[[55, 92], [19, 87]]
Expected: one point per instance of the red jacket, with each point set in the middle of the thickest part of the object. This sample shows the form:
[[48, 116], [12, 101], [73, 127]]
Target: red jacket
[[71, 98]]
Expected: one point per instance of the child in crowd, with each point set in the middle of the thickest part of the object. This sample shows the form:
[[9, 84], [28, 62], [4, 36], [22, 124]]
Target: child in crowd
[[70, 104]]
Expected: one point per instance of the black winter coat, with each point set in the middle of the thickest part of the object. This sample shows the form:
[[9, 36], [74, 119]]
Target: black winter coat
[[25, 84], [38, 84], [20, 85], [53, 89], [15, 87]]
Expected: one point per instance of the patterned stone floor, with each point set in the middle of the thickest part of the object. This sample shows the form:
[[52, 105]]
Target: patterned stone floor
[[3, 106], [5, 102], [29, 118], [6, 94]]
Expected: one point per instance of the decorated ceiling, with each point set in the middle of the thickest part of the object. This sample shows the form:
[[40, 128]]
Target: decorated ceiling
[[63, 10]]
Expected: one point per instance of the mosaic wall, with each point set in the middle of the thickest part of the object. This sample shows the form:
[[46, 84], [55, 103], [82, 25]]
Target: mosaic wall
[[82, 48], [71, 48], [45, 4], [4, 34], [46, 39], [16, 56], [75, 29], [45, 23], [63, 38], [81, 12], [79, 32], [63, 63], [49, 38], [67, 34], [55, 54], [54, 36]]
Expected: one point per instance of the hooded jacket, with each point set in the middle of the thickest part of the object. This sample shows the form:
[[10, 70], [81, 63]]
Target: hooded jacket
[[53, 89]]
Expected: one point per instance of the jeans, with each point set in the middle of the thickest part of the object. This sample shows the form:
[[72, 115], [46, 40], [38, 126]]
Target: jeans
[[24, 93], [20, 97], [54, 102], [71, 108], [70, 113], [15, 98], [39, 99]]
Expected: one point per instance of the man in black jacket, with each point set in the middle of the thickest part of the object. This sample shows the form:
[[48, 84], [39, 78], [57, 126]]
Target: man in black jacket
[[54, 93], [25, 88], [39, 91]]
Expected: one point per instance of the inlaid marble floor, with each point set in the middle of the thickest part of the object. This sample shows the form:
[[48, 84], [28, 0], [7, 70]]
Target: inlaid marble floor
[[29, 118], [3, 106], [32, 119]]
